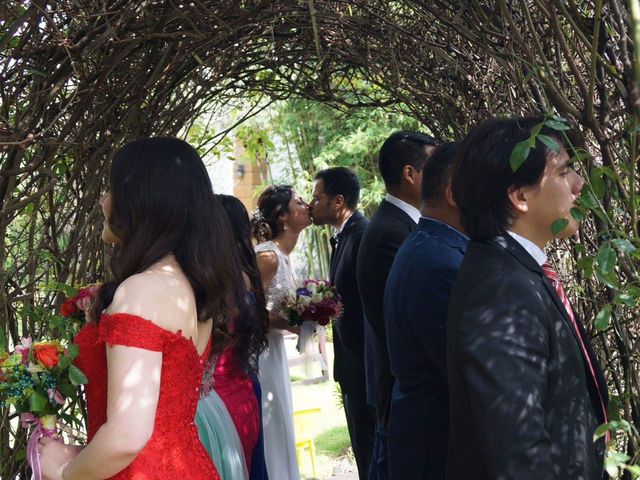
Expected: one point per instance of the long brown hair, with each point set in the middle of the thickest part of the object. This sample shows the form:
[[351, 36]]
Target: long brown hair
[[162, 203], [249, 333]]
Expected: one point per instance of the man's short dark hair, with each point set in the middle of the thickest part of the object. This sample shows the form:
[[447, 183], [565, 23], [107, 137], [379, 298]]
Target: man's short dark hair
[[436, 173], [341, 181], [400, 149], [482, 174]]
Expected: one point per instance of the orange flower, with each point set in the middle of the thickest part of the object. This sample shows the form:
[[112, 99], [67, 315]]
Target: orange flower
[[46, 354]]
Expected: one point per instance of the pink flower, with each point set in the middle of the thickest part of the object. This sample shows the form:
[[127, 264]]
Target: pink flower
[[53, 394], [23, 349], [85, 296]]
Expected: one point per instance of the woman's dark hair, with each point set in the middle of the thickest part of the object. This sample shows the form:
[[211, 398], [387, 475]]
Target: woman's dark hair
[[249, 333], [436, 173], [272, 203], [482, 174], [162, 203]]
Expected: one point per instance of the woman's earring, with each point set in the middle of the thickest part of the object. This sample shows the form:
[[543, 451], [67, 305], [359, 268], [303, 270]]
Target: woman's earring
[[285, 227]]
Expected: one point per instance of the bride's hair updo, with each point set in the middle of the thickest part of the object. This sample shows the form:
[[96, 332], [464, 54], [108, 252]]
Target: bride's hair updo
[[265, 220]]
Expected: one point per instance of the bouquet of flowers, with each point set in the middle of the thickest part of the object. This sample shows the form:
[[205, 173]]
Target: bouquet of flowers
[[311, 307], [37, 378], [316, 301]]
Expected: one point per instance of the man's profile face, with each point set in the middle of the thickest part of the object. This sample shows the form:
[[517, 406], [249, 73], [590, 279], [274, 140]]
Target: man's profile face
[[553, 197], [321, 206]]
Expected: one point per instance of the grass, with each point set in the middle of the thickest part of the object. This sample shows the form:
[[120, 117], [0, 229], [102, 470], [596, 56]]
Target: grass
[[333, 443]]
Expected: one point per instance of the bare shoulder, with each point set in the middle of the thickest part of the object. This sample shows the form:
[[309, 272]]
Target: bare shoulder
[[267, 262], [163, 297]]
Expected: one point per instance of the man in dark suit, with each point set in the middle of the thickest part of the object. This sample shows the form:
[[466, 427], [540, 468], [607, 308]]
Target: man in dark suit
[[335, 200], [526, 390], [415, 312], [401, 159]]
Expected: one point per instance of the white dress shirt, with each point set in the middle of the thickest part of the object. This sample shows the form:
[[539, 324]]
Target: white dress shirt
[[410, 210], [534, 250]]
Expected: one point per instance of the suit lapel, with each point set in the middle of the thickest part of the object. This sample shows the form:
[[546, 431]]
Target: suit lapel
[[527, 260], [515, 249], [339, 249], [397, 212]]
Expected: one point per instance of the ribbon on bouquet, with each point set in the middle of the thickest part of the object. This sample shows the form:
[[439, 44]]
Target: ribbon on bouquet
[[308, 347], [42, 427]]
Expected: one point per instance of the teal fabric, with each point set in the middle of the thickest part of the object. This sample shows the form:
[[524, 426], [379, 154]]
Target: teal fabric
[[219, 437]]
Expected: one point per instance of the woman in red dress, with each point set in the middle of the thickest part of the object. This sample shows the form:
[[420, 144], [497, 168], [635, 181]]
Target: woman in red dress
[[143, 352]]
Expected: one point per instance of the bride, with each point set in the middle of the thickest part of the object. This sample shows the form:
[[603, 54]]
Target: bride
[[277, 222]]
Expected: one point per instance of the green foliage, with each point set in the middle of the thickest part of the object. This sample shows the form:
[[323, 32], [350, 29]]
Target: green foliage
[[334, 442]]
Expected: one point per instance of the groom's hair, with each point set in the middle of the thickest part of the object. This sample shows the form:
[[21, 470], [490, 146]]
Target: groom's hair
[[341, 181]]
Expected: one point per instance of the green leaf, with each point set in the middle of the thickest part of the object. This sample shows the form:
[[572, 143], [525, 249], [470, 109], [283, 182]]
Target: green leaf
[[67, 389], [76, 376], [559, 225], [597, 183], [609, 279], [600, 431], [624, 246], [74, 351], [3, 341], [588, 200], [626, 299], [603, 318], [63, 361], [559, 126], [37, 402], [577, 214], [519, 154], [550, 142], [606, 258]]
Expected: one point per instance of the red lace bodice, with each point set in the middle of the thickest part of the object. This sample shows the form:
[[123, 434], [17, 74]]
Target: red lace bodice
[[174, 450]]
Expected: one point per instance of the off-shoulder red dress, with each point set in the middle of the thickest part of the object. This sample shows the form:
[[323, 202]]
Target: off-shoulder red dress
[[174, 450]]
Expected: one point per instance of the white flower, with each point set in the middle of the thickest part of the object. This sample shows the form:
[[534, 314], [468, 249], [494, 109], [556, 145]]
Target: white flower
[[304, 300]]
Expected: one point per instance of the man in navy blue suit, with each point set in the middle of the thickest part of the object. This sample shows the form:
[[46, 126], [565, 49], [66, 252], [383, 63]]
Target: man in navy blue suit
[[415, 314]]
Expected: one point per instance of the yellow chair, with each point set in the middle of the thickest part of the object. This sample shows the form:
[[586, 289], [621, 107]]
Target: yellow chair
[[302, 421]]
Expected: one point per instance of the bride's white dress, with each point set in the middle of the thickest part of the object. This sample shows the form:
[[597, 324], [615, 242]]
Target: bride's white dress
[[277, 406]]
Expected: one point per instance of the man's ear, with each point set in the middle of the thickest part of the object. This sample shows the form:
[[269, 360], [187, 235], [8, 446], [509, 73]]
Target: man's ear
[[410, 174], [339, 200], [448, 196], [518, 198]]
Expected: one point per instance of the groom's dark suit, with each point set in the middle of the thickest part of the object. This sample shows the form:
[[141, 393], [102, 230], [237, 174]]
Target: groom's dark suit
[[348, 341], [416, 303], [523, 403]]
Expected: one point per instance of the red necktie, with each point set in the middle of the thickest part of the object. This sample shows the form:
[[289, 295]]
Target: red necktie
[[553, 276]]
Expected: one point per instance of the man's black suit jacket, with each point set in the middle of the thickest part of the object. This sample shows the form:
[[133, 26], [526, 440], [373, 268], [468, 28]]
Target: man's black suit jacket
[[348, 329], [388, 229], [522, 401]]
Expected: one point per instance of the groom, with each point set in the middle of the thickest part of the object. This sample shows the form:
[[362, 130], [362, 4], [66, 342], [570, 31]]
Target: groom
[[335, 199], [526, 390]]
